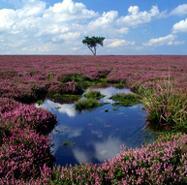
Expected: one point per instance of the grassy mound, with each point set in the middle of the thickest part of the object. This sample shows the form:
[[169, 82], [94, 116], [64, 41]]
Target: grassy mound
[[94, 95], [84, 104], [126, 99]]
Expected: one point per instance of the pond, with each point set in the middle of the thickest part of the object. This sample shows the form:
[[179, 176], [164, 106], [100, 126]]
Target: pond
[[96, 135]]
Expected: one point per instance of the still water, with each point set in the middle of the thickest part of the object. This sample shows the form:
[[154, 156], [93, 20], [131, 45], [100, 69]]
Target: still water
[[96, 135]]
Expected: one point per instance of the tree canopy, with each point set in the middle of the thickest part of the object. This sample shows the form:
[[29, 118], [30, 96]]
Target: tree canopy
[[93, 42]]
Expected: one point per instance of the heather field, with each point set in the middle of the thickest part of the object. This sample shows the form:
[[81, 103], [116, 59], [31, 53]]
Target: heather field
[[159, 83], [21, 74]]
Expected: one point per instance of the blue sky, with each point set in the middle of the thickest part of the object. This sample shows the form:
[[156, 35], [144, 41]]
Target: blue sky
[[58, 26]]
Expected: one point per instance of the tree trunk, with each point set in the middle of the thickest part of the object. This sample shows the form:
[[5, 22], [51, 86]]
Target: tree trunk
[[93, 50]]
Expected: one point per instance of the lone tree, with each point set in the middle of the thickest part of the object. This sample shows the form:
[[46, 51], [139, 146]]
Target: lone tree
[[92, 43]]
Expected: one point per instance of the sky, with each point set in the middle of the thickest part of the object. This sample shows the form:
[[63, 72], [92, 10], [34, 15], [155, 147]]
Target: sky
[[58, 26]]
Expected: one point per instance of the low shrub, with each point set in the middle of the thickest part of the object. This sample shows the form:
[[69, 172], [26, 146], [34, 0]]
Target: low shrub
[[39, 92], [29, 116], [5, 129], [43, 179], [23, 153], [71, 87], [7, 105]]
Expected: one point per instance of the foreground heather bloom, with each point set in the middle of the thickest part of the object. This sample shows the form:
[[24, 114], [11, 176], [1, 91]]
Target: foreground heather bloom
[[7, 105], [29, 116], [42, 180], [23, 154], [159, 164]]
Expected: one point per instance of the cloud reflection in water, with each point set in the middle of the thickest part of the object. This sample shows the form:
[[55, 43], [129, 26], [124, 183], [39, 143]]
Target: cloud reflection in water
[[68, 109], [108, 92], [108, 148]]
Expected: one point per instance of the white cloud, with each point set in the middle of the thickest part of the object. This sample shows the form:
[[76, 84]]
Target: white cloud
[[106, 19], [180, 10], [165, 40], [137, 17], [24, 19], [180, 26], [68, 10], [32, 8], [68, 36], [105, 25], [114, 43], [7, 18], [123, 30]]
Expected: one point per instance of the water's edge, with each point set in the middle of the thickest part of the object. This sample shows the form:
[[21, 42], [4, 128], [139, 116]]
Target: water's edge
[[96, 135]]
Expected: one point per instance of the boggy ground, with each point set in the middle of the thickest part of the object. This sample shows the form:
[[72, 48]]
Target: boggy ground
[[24, 146]]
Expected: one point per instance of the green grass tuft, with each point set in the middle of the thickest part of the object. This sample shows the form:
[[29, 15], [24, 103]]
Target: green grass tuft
[[40, 102], [65, 98], [126, 99], [84, 104], [167, 108], [94, 95]]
